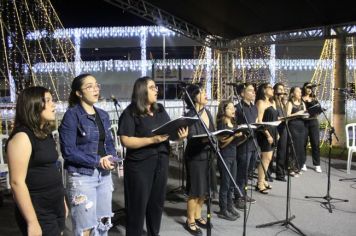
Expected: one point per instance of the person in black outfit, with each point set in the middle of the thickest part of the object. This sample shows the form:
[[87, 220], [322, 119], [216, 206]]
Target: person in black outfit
[[225, 119], [36, 181], [281, 157], [312, 126], [146, 162], [197, 154], [267, 139], [296, 126], [246, 153]]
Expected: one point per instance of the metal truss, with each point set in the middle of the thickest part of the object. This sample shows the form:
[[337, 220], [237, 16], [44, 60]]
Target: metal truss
[[158, 16], [324, 32]]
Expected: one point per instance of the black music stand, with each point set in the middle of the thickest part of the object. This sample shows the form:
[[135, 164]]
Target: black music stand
[[327, 204], [287, 221]]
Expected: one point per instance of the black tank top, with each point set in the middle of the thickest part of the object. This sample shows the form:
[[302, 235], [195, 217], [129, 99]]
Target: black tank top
[[43, 173]]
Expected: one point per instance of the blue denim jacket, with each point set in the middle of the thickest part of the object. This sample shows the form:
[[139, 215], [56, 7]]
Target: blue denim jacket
[[79, 137]]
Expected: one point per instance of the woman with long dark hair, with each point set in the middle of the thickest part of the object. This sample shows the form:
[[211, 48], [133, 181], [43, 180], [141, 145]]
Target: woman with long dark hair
[[296, 106], [36, 182], [146, 161], [281, 155], [312, 126], [225, 119], [267, 139], [89, 153]]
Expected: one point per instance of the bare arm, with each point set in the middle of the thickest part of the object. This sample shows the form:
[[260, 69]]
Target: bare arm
[[260, 110], [19, 153], [135, 142], [289, 108]]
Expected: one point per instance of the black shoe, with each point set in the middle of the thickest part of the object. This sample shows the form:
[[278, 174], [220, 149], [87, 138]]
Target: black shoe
[[227, 216], [240, 204], [190, 228], [281, 178], [250, 200], [233, 211], [203, 223]]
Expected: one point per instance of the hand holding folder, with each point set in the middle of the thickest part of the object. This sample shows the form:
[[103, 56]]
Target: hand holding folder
[[171, 127]]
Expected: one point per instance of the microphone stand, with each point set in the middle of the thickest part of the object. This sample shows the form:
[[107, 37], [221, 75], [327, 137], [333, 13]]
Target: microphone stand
[[258, 154], [119, 211], [287, 221], [214, 145], [328, 197]]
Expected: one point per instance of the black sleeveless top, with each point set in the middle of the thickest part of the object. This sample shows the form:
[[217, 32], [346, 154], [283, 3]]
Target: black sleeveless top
[[271, 114], [43, 173]]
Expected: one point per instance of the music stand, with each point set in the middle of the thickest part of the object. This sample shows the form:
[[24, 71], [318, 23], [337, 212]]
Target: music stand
[[287, 221], [328, 197]]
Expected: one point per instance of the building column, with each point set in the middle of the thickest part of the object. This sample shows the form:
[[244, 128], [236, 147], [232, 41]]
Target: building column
[[339, 99]]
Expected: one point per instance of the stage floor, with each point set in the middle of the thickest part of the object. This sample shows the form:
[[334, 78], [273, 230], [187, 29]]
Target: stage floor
[[311, 217]]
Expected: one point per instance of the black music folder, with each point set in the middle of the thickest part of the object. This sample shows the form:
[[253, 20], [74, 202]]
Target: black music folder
[[226, 132], [171, 127], [315, 110]]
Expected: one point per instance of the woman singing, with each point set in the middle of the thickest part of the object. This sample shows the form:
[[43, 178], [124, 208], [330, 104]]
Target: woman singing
[[267, 139], [146, 162], [36, 182], [296, 106], [197, 155], [312, 126]]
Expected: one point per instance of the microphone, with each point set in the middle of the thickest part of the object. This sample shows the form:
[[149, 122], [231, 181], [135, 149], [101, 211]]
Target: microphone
[[279, 94], [233, 84], [313, 85], [342, 89], [116, 103]]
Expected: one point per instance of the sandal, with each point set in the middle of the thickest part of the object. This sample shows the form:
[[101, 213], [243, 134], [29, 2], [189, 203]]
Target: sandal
[[201, 222], [263, 191], [190, 228], [268, 186]]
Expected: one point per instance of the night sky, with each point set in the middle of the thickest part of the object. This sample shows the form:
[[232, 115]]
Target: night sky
[[75, 13]]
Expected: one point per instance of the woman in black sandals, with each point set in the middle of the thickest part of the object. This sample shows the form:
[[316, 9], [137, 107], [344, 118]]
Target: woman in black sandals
[[267, 139], [197, 155]]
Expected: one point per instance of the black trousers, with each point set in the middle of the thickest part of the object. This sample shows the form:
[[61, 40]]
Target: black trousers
[[313, 133], [145, 184], [281, 156], [226, 186], [246, 159], [297, 130]]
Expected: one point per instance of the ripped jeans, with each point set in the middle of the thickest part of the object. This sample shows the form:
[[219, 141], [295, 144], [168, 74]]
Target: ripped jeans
[[90, 203]]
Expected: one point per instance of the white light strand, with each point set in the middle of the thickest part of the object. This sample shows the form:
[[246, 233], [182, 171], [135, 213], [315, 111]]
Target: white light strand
[[188, 64], [77, 58], [143, 39], [272, 63], [208, 59], [102, 32]]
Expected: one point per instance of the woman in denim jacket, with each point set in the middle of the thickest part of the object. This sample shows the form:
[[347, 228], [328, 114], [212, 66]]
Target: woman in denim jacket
[[88, 150]]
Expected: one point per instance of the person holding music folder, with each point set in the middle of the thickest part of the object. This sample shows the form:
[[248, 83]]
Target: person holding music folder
[[146, 161], [267, 138], [312, 125], [197, 154], [281, 155], [295, 105], [89, 154], [246, 150], [225, 119]]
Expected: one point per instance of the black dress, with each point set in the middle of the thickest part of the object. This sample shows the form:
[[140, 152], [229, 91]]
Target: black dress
[[44, 182], [297, 131], [270, 114], [197, 156]]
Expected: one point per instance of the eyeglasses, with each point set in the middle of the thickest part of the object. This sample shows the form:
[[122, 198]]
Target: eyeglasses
[[153, 87], [92, 87]]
